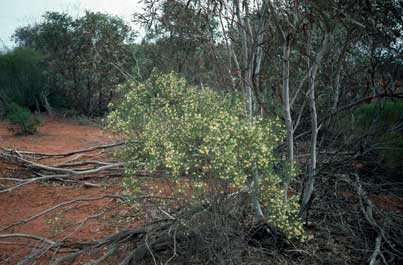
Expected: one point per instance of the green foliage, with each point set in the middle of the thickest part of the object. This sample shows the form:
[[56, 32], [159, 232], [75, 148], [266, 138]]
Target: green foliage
[[387, 112], [180, 39], [83, 59], [384, 121], [21, 77], [201, 136], [21, 120]]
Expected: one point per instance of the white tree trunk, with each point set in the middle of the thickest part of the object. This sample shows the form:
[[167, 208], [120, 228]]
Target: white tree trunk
[[313, 69], [251, 57], [286, 31], [287, 109]]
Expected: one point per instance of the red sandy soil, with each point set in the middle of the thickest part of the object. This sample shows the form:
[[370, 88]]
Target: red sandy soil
[[54, 136], [61, 136], [382, 201]]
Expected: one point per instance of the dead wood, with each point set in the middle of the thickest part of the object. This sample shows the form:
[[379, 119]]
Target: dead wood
[[39, 155], [70, 171]]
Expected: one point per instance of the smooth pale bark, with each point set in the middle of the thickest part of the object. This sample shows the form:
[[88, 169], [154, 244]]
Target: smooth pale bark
[[250, 59], [287, 109], [254, 73], [48, 107], [286, 37], [313, 70]]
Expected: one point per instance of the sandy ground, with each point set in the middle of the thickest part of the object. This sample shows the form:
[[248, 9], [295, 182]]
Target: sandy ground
[[54, 136]]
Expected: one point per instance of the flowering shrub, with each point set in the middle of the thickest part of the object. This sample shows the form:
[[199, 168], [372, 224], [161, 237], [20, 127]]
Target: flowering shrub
[[202, 135]]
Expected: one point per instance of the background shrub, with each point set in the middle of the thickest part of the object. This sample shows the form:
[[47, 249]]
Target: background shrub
[[384, 122], [21, 120]]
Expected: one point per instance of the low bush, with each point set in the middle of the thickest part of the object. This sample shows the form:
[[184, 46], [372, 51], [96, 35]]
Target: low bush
[[202, 139], [21, 120], [386, 112]]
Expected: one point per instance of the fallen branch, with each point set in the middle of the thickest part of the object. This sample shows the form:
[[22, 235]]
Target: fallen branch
[[29, 181], [67, 171], [61, 155], [29, 236], [38, 166]]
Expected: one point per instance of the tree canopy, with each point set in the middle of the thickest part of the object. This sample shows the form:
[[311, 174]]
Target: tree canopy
[[83, 58]]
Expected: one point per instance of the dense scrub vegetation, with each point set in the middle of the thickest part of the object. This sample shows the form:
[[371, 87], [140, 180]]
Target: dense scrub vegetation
[[260, 113]]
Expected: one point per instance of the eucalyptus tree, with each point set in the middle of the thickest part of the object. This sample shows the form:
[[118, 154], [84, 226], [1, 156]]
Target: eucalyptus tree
[[239, 27], [307, 45], [84, 58], [101, 42], [228, 34], [286, 17], [179, 37], [350, 29], [321, 27]]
